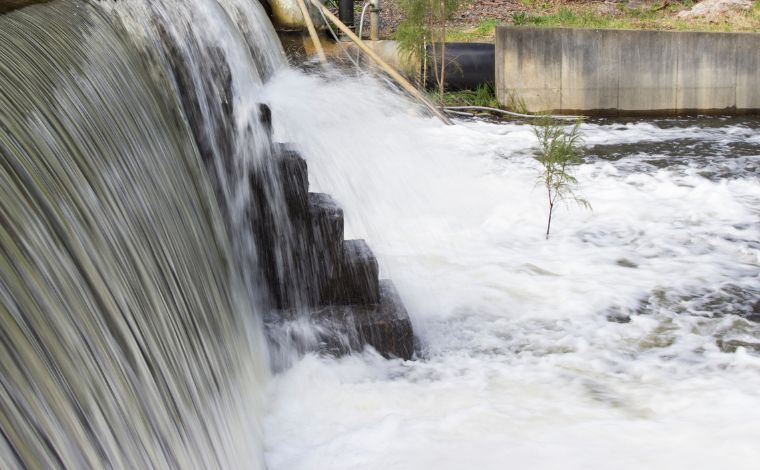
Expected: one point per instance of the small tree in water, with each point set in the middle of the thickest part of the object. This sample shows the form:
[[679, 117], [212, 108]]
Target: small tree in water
[[424, 24], [559, 150]]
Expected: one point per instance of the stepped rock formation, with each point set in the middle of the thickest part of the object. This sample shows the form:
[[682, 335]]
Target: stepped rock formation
[[314, 272]]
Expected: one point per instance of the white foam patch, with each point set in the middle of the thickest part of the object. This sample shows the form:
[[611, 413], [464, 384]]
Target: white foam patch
[[521, 367]]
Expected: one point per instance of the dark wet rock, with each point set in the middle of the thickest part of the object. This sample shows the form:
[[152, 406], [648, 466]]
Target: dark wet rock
[[326, 225], [386, 326], [295, 180], [626, 263], [265, 117], [754, 315], [729, 299], [618, 318], [731, 346], [311, 274], [342, 329], [358, 276], [325, 250]]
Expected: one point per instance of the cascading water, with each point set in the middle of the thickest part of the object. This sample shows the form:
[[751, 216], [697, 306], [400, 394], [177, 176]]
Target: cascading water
[[129, 338], [625, 341], [131, 285], [218, 71]]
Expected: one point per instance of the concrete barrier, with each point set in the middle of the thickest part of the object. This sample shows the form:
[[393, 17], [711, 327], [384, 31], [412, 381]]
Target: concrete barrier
[[627, 72]]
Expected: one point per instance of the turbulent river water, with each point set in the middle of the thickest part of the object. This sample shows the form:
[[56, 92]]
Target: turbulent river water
[[131, 302], [618, 343]]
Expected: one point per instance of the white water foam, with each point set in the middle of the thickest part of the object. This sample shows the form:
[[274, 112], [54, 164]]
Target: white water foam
[[520, 366]]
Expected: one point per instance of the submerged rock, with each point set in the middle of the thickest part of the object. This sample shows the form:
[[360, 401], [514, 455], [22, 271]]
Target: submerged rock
[[618, 318], [755, 314], [342, 329], [732, 345]]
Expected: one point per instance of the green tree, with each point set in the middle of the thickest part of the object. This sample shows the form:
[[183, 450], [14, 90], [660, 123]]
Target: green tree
[[424, 25], [560, 149]]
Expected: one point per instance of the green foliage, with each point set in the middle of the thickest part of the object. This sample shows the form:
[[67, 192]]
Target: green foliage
[[520, 18], [658, 16], [422, 23], [425, 24], [484, 30], [484, 95], [566, 17], [559, 150], [516, 103]]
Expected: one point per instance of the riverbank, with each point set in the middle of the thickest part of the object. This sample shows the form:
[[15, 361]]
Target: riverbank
[[477, 20]]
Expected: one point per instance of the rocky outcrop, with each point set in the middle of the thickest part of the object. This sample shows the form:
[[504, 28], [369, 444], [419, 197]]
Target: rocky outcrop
[[312, 274], [299, 263], [713, 10], [341, 329]]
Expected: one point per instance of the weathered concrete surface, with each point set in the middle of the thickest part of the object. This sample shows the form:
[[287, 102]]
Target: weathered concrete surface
[[286, 15], [747, 86], [627, 72], [592, 78], [707, 66], [529, 67], [656, 60]]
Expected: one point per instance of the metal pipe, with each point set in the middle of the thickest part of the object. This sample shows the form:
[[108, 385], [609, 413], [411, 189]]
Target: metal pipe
[[562, 117], [374, 20], [312, 31], [468, 65], [361, 18], [346, 12]]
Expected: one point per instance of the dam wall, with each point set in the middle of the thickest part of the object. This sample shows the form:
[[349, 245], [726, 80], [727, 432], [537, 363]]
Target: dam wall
[[622, 72]]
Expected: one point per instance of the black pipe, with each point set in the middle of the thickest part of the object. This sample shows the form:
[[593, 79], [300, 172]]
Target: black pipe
[[468, 65], [346, 12]]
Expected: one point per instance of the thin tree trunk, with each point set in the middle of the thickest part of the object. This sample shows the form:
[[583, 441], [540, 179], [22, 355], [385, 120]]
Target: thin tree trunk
[[431, 30], [443, 54], [551, 209], [423, 79]]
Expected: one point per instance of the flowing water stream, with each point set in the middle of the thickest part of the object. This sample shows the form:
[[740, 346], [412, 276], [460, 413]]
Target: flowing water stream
[[618, 343], [130, 302], [129, 334]]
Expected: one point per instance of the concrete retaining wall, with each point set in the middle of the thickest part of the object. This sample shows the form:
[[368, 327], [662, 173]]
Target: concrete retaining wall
[[627, 72]]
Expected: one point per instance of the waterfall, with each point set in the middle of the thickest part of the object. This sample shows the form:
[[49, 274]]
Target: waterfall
[[130, 334]]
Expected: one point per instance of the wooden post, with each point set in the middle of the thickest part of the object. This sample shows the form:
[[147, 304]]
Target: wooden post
[[388, 69], [312, 31]]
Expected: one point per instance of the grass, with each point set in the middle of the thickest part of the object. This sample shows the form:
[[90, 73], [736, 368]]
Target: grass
[[662, 17], [550, 14], [484, 30], [484, 95]]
